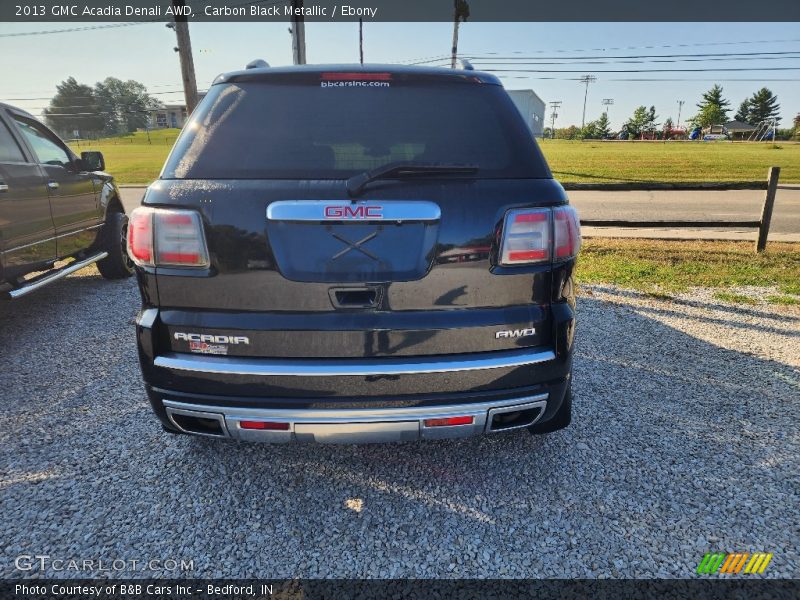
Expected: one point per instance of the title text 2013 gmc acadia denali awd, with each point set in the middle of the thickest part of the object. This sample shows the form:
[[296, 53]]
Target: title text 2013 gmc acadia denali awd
[[356, 254]]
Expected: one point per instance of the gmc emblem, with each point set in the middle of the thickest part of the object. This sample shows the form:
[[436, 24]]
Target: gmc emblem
[[354, 212]]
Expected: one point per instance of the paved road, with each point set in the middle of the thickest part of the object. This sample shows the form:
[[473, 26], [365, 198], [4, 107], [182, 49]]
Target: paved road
[[734, 205]]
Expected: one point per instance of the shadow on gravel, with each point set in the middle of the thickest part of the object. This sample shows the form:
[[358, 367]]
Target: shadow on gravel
[[678, 447]]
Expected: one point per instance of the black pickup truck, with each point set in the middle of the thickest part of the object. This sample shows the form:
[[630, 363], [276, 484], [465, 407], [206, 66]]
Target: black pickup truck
[[56, 209]]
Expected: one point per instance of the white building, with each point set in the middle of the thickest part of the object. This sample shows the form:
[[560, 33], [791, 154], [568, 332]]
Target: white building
[[531, 107], [171, 115]]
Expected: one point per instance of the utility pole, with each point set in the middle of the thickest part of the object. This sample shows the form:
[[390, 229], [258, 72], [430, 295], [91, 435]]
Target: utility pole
[[587, 79], [184, 50], [554, 106], [361, 39], [680, 106], [460, 13], [607, 102], [298, 33]]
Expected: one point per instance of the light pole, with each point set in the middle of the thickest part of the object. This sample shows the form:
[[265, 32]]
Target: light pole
[[680, 106], [587, 79], [607, 102], [554, 106]]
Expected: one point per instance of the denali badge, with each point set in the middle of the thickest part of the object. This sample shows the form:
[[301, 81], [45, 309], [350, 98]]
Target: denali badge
[[514, 333], [212, 339]]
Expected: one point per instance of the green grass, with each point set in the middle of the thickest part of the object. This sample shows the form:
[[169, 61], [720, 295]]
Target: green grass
[[133, 160], [598, 162], [661, 267], [734, 298], [785, 300]]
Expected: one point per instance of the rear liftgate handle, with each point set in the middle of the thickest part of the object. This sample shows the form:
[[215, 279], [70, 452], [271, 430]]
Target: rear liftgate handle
[[359, 297]]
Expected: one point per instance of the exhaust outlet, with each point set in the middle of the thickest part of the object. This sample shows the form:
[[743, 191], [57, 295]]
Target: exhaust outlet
[[515, 417], [198, 423]]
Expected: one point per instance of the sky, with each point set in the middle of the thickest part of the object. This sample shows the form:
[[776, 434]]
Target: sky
[[145, 53]]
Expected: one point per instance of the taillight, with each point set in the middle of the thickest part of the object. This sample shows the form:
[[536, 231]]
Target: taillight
[[166, 237], [527, 237], [566, 232], [140, 236]]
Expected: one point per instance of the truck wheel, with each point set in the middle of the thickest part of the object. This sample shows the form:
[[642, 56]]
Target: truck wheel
[[117, 265], [560, 420]]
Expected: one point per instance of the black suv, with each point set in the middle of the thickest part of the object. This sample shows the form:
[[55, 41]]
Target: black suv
[[54, 207], [356, 254]]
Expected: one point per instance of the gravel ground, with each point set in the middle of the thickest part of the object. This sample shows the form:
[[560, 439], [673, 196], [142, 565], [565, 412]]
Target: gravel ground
[[684, 441]]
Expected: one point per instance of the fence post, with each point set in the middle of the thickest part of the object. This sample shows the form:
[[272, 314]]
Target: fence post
[[766, 211]]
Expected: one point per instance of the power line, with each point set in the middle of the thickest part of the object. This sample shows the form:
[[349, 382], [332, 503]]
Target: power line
[[479, 62], [91, 97], [645, 70], [652, 47], [692, 55], [75, 29]]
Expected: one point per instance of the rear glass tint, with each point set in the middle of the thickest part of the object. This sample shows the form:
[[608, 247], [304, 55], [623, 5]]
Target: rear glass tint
[[260, 130]]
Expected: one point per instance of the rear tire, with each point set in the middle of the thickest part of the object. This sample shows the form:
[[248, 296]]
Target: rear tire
[[560, 420], [117, 265]]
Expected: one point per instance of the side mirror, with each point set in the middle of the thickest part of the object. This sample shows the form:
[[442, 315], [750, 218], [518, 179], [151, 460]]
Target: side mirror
[[93, 161]]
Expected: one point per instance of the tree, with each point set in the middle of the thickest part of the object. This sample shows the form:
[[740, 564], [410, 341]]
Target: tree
[[568, 133], [603, 126], [650, 123], [668, 127], [710, 115], [743, 114], [74, 109], [637, 123], [762, 106], [713, 109], [126, 105], [797, 126]]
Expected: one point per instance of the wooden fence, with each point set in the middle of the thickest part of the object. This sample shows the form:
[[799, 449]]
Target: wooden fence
[[762, 224]]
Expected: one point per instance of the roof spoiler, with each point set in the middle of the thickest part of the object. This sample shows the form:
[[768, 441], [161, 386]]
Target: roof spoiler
[[257, 64]]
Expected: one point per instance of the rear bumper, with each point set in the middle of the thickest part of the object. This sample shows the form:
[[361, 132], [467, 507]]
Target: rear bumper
[[354, 426], [354, 400]]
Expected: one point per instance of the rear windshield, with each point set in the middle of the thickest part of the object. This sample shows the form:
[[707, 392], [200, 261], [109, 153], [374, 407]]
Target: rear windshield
[[258, 130]]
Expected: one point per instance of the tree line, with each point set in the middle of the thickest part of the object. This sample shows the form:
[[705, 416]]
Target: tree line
[[713, 109], [110, 107]]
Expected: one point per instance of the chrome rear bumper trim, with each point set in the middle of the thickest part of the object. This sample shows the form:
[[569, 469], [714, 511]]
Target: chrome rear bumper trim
[[229, 365], [353, 426]]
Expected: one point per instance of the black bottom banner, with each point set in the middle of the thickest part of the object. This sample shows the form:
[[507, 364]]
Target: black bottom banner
[[209, 589]]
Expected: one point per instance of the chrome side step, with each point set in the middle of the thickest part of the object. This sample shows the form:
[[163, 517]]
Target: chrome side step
[[55, 276]]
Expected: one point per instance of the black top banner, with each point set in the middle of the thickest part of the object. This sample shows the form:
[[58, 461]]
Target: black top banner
[[711, 11]]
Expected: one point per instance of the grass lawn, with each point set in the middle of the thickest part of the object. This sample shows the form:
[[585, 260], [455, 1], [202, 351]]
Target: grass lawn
[[662, 267], [133, 160], [597, 162]]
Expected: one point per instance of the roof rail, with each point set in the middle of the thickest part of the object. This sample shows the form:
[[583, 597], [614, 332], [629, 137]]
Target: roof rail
[[257, 64], [466, 65]]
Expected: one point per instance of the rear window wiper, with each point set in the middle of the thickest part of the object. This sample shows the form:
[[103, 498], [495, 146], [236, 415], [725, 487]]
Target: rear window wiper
[[403, 169]]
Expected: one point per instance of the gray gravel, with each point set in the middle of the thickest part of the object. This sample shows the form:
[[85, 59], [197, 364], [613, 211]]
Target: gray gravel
[[684, 441]]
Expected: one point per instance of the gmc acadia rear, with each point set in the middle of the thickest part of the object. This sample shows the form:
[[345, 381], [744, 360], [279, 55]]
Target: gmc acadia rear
[[356, 254]]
